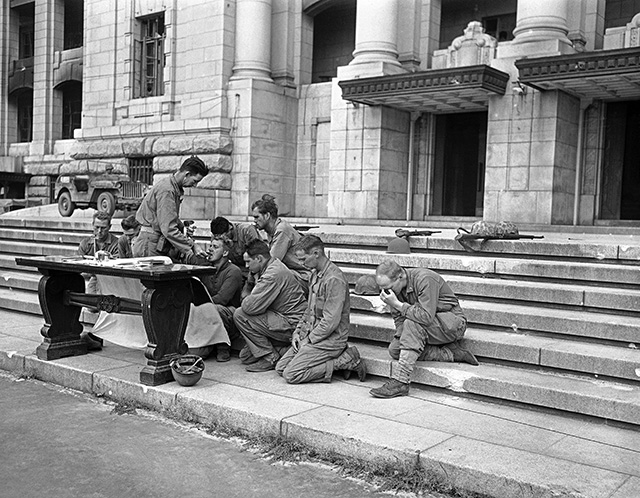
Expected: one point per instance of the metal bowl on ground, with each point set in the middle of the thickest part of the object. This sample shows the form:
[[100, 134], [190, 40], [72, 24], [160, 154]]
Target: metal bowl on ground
[[187, 370]]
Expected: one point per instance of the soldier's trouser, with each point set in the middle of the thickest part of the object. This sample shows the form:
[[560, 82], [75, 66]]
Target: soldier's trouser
[[312, 363], [145, 244], [259, 332], [418, 342]]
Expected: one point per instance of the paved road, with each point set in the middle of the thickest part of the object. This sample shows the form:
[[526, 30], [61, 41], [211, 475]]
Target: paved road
[[59, 444]]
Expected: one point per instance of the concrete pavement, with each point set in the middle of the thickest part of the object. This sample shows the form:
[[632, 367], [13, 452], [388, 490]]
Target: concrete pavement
[[502, 451], [98, 451]]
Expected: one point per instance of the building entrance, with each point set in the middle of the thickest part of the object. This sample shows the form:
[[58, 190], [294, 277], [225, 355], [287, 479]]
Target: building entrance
[[459, 164], [620, 198]]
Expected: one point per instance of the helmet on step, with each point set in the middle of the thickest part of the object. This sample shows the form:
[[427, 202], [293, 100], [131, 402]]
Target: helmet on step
[[398, 245], [366, 285]]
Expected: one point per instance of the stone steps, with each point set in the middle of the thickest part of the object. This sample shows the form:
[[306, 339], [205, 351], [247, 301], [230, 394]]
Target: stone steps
[[546, 293], [602, 399], [592, 359], [578, 247], [551, 323], [596, 272]]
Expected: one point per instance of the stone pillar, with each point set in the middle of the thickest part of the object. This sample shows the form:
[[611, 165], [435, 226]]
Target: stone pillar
[[49, 19], [376, 32], [369, 144], [541, 20], [253, 40]]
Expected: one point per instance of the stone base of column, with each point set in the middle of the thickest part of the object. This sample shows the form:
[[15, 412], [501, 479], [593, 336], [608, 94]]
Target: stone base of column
[[535, 47], [369, 69]]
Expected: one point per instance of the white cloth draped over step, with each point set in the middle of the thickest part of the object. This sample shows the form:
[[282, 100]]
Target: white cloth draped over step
[[204, 327]]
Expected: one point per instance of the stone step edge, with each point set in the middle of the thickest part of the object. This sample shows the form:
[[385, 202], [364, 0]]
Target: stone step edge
[[591, 360], [565, 393]]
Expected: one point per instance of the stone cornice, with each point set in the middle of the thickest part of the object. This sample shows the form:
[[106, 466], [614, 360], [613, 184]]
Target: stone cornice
[[601, 74], [459, 89]]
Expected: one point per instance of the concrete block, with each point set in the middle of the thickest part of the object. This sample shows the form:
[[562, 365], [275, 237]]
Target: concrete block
[[123, 384], [244, 410], [596, 454], [518, 178], [601, 399], [465, 421], [596, 359], [59, 372], [519, 154], [565, 322], [628, 490], [353, 434], [617, 299], [10, 359], [478, 466], [570, 270]]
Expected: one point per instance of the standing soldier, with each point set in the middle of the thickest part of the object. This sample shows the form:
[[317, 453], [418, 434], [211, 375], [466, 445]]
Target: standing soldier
[[319, 343], [159, 214]]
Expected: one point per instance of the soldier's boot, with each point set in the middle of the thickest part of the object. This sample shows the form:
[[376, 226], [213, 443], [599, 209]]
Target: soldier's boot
[[350, 361], [462, 354], [391, 389]]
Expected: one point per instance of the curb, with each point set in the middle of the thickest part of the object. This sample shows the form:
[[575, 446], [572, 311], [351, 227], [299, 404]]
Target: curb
[[251, 413]]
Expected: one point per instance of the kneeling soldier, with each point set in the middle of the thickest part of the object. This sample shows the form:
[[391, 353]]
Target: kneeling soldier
[[319, 343]]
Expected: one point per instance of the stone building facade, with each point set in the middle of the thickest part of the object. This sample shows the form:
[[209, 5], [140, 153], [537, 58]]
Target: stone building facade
[[343, 109]]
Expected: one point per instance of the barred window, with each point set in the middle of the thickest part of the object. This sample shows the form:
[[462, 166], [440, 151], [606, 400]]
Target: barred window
[[71, 108], [26, 30], [141, 169], [25, 116], [149, 58], [73, 23]]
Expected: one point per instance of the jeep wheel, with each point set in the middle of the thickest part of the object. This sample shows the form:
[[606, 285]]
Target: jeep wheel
[[107, 203], [66, 206]]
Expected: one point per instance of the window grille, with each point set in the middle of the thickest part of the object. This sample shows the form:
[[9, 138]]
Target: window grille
[[26, 31], [141, 169], [71, 109], [73, 23], [25, 117], [149, 58]]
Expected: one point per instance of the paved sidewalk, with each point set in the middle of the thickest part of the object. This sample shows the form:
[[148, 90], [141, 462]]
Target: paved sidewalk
[[501, 451]]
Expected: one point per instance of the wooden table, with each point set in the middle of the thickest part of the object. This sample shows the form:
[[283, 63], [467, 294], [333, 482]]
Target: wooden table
[[164, 306]]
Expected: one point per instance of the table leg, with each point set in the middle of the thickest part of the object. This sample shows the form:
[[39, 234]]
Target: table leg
[[62, 325], [165, 312]]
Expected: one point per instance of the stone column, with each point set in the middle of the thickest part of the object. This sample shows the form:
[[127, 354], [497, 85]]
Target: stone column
[[541, 20], [49, 19], [253, 40], [376, 32]]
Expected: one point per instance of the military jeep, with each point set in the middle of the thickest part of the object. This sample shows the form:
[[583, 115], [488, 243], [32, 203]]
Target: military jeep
[[104, 192]]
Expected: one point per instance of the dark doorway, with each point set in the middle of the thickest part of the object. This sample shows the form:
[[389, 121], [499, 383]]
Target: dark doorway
[[621, 163], [460, 150]]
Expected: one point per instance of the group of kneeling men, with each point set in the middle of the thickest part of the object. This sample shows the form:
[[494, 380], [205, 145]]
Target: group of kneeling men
[[289, 303]]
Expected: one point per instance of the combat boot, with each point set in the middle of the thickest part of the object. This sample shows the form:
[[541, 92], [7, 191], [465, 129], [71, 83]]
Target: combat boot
[[350, 361], [391, 389], [462, 354]]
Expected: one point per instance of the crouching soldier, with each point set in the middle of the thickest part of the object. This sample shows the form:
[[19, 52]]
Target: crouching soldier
[[319, 343], [272, 305], [428, 319]]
